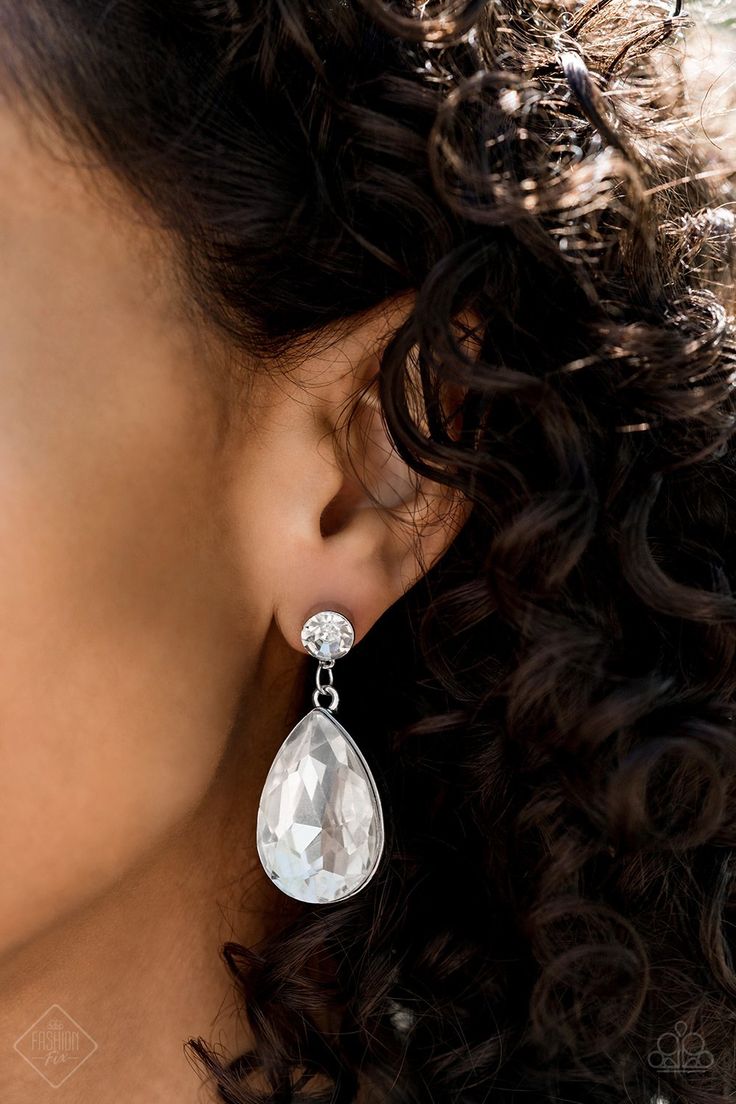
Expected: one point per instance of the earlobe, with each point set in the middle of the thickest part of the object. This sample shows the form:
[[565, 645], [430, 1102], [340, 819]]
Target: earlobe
[[364, 527], [371, 542]]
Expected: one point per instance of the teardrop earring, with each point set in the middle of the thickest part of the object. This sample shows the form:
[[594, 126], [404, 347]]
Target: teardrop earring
[[320, 831]]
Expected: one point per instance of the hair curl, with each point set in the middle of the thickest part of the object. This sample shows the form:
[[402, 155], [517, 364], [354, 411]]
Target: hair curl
[[558, 756]]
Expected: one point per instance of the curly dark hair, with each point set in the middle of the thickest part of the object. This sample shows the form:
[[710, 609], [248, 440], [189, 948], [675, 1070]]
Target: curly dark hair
[[553, 731]]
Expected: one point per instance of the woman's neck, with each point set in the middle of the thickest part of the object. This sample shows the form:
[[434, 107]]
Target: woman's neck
[[101, 1005]]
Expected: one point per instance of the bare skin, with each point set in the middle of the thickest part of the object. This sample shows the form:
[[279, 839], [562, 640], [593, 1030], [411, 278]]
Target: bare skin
[[161, 545]]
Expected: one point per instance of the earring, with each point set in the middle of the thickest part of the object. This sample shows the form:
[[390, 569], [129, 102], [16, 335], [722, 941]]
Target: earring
[[320, 832]]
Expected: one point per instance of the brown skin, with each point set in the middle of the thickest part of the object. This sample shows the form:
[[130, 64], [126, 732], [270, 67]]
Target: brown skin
[[160, 548]]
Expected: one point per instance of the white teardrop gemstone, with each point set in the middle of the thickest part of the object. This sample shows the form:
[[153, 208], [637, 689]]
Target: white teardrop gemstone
[[320, 827]]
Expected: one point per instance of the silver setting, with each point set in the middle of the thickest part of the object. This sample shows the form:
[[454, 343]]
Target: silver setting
[[320, 833], [326, 687]]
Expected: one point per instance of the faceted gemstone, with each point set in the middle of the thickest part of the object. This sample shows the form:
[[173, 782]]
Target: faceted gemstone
[[320, 826], [328, 635]]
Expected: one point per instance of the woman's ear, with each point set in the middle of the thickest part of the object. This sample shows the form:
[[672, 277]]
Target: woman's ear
[[351, 526]]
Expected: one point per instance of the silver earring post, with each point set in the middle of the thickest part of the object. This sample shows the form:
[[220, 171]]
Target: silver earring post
[[320, 831]]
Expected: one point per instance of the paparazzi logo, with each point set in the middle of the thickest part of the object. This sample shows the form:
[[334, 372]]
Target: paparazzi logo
[[680, 1050]]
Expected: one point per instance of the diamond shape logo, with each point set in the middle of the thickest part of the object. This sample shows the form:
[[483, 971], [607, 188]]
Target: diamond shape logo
[[55, 1045]]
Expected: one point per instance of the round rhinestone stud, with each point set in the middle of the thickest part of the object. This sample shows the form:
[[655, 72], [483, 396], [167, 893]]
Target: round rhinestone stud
[[328, 635]]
